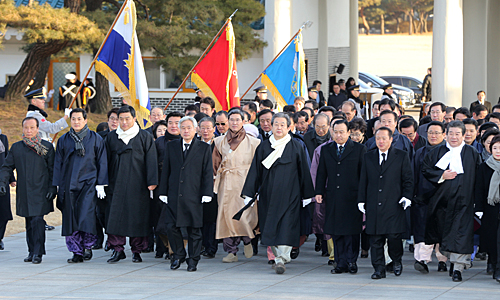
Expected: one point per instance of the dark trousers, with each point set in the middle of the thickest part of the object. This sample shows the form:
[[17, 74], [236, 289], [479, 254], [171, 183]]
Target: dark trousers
[[176, 241], [209, 241], [100, 220], [35, 235], [137, 244], [346, 249], [395, 244], [3, 227], [365, 241]]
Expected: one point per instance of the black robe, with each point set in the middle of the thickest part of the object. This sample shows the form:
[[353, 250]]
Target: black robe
[[286, 183], [185, 182], [76, 177], [342, 216], [489, 221], [381, 189], [450, 216], [312, 141], [131, 169], [5, 211], [34, 178]]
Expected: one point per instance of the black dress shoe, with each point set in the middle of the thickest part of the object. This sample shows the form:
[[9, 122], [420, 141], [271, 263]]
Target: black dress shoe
[[149, 249], [117, 256], [317, 245], [2, 246], [167, 254], [176, 263], [389, 267], [480, 256], [87, 255], [457, 276], [332, 263], [411, 248], [159, 254], [191, 269], [48, 227], [325, 254], [451, 270], [37, 259], [339, 270], [97, 246], [442, 267], [29, 258], [107, 247], [490, 269], [136, 257], [271, 262], [422, 267], [378, 275], [496, 275], [364, 254], [75, 259], [294, 253], [209, 255], [353, 268], [203, 252], [398, 268]]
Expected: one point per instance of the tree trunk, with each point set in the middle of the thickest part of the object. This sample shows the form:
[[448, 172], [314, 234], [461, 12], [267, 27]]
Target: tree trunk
[[102, 98], [424, 22], [382, 24], [410, 22], [41, 74], [73, 5], [397, 24], [93, 5], [33, 62], [365, 22]]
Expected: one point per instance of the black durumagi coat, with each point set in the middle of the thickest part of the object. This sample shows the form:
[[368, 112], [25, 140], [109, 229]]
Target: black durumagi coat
[[185, 182], [381, 189], [342, 216]]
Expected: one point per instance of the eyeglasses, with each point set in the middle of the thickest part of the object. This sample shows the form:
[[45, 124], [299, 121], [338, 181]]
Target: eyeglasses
[[356, 135], [220, 124]]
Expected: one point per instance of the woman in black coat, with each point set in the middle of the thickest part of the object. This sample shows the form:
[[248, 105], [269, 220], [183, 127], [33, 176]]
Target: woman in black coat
[[5, 211]]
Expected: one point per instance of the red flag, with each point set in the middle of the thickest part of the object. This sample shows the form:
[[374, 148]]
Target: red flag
[[216, 75]]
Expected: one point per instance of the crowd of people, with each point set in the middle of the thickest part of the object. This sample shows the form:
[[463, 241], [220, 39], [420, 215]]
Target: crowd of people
[[201, 177]]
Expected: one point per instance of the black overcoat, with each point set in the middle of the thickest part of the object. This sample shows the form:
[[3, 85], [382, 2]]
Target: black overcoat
[[282, 188], [450, 215], [381, 189], [185, 182], [76, 177], [131, 169], [5, 211], [342, 216], [34, 178]]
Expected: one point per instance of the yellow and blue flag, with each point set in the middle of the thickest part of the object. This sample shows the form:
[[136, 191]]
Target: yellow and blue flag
[[285, 78], [120, 61]]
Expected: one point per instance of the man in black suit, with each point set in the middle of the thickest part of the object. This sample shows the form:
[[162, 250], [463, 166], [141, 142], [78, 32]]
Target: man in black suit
[[385, 187], [481, 100], [340, 166], [337, 97], [186, 183]]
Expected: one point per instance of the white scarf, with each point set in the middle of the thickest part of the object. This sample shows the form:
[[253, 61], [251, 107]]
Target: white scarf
[[452, 158], [279, 147], [126, 136]]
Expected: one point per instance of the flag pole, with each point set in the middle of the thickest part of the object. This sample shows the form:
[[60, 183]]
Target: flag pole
[[199, 59], [95, 57], [277, 55]]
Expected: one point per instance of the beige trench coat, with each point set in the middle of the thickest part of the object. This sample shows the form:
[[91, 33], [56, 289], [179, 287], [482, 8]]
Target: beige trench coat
[[228, 184]]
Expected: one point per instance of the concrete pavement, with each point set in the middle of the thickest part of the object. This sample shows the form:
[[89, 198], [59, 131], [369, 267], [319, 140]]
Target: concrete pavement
[[306, 277]]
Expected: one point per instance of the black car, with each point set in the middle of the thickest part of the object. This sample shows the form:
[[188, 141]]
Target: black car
[[407, 81]]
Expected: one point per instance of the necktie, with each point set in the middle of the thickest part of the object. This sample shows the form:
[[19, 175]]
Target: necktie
[[186, 148], [268, 134], [340, 150], [383, 159]]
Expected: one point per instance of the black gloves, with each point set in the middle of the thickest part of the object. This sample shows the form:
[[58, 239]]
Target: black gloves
[[3, 190]]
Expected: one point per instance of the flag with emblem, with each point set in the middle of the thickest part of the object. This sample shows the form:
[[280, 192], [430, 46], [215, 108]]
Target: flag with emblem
[[120, 61]]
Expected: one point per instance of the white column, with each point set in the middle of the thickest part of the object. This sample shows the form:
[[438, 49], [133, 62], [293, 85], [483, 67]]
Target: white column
[[447, 52], [277, 30], [493, 47], [323, 45], [475, 49], [353, 38]]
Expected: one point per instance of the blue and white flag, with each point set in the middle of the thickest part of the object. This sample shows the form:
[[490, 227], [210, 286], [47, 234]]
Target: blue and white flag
[[120, 61]]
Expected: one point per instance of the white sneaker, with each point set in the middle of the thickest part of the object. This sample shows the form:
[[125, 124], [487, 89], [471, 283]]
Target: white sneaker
[[248, 250], [230, 258]]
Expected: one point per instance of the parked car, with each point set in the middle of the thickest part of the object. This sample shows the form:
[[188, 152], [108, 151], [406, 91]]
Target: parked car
[[405, 95], [407, 81]]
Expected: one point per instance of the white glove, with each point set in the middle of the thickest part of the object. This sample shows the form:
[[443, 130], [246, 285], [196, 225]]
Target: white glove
[[206, 199], [405, 203], [479, 214], [306, 202], [361, 207], [100, 191], [67, 111], [151, 194], [247, 200], [164, 199]]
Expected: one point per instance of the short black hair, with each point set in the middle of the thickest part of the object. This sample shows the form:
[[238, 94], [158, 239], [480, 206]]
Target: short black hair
[[457, 124], [436, 123], [376, 103], [425, 120], [103, 126], [192, 107], [127, 109], [409, 122], [443, 107], [386, 129], [488, 133], [310, 110], [487, 126], [263, 112], [327, 108], [315, 82], [251, 106], [78, 110], [391, 103], [220, 113], [289, 108], [249, 116], [479, 108], [208, 100], [336, 83], [314, 104], [462, 110], [238, 112], [338, 122], [492, 115], [113, 111], [174, 114], [389, 112], [495, 140], [450, 109], [200, 116], [358, 124], [299, 114], [156, 125], [470, 121], [495, 107], [481, 92], [31, 118], [266, 103]]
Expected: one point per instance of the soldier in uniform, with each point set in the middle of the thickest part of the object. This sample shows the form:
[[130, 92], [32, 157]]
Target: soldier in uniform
[[389, 93], [68, 91], [88, 95], [260, 93]]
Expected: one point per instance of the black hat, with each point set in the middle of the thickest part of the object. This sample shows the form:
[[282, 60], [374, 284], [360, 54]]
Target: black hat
[[197, 90], [36, 94], [261, 89], [354, 88], [387, 86], [312, 89]]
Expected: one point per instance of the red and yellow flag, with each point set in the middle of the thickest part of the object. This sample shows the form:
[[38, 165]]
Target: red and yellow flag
[[216, 75]]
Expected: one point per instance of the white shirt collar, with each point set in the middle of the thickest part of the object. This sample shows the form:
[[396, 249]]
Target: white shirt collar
[[381, 158]]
